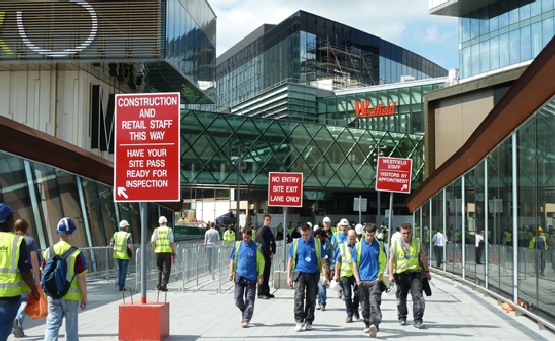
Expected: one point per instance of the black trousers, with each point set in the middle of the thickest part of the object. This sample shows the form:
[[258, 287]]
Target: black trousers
[[164, 265], [438, 250], [264, 288], [306, 290]]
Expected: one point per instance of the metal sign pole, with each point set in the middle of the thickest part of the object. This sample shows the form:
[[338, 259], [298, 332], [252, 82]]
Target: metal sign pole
[[390, 218], [285, 231], [359, 209], [142, 209]]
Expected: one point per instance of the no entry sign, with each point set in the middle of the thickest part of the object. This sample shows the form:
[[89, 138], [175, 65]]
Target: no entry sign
[[394, 175], [147, 147], [285, 189]]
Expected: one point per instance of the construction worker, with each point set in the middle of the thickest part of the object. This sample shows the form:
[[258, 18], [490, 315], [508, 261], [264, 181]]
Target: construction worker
[[539, 244], [163, 244], [344, 272], [369, 261], [229, 235], [406, 272], [122, 242], [12, 282], [341, 235]]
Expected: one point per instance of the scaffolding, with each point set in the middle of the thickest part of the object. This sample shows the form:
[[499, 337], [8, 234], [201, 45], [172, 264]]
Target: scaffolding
[[342, 65]]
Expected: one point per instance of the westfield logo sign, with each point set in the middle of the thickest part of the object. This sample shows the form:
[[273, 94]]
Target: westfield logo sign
[[363, 110]]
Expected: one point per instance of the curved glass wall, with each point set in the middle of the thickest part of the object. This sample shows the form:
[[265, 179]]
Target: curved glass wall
[[43, 195], [504, 33], [511, 196]]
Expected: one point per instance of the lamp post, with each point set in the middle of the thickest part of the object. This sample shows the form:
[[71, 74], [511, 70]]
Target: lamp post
[[238, 197]]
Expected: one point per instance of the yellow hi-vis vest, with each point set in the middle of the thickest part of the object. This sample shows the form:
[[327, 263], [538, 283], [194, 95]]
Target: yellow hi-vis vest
[[346, 260], [74, 293], [260, 261], [406, 261], [163, 239], [229, 236], [121, 239], [317, 247], [11, 281]]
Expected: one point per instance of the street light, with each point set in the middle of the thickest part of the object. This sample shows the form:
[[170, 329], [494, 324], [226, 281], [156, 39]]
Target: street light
[[377, 151]]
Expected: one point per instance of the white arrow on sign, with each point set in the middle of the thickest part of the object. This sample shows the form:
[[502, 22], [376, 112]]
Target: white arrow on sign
[[404, 187], [121, 192]]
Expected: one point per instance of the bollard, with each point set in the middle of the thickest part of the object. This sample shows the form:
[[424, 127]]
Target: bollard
[[144, 321]]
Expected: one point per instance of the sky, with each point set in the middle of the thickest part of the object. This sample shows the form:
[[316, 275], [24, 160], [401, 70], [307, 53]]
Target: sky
[[406, 23]]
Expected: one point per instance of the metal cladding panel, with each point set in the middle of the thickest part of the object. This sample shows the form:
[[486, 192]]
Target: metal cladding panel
[[88, 29]]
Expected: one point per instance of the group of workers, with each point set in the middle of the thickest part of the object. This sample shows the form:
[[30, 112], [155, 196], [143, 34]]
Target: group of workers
[[360, 267]]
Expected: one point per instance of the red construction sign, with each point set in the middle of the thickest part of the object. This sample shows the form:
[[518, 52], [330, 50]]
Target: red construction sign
[[147, 166], [394, 175], [285, 189]]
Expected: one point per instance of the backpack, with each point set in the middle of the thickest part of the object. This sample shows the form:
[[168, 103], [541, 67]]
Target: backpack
[[54, 276]]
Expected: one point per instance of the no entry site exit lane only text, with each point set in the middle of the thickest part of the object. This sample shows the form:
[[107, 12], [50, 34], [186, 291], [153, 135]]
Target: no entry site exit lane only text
[[285, 189]]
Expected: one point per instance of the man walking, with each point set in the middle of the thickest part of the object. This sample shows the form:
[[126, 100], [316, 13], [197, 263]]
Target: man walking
[[211, 238], [344, 272], [305, 264], [229, 234], [246, 266], [479, 243], [20, 228], [438, 240], [163, 244], [68, 305], [15, 253], [369, 264], [265, 239], [122, 242], [406, 272], [341, 235]]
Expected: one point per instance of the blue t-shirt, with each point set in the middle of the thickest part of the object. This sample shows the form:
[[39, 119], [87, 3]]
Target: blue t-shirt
[[342, 238], [369, 266], [306, 256], [246, 263]]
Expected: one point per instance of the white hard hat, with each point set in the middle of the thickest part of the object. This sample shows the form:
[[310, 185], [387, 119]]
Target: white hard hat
[[359, 228], [316, 227], [309, 224], [162, 220], [344, 222], [123, 224], [326, 220]]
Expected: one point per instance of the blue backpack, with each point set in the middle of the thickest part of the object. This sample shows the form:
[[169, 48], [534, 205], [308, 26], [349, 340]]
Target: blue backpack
[[54, 276]]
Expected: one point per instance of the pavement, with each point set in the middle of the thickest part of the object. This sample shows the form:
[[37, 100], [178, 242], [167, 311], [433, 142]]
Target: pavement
[[207, 312]]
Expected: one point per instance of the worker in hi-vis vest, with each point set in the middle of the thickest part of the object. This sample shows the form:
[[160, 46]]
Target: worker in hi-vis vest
[[122, 242], [164, 247]]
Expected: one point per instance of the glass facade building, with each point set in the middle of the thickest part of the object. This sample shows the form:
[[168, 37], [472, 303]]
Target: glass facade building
[[498, 34], [308, 49]]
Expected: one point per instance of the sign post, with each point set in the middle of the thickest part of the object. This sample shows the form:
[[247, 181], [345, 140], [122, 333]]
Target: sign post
[[394, 175], [146, 166], [285, 189]]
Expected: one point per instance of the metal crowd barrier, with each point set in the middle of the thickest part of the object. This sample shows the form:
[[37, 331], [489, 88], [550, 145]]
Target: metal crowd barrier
[[195, 264]]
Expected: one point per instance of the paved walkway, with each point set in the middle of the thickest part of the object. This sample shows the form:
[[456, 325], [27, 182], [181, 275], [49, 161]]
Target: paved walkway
[[199, 313]]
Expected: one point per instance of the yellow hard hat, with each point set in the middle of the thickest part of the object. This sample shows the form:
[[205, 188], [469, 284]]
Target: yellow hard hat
[[540, 229]]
